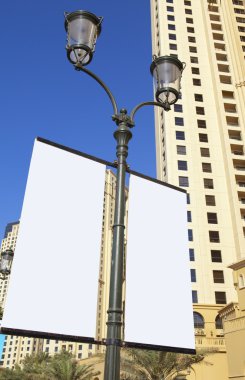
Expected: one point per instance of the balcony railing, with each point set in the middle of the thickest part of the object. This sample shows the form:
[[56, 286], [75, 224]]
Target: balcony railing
[[218, 343]]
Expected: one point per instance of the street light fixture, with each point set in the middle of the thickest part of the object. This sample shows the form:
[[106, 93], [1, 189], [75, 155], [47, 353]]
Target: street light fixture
[[6, 263], [82, 30], [167, 72]]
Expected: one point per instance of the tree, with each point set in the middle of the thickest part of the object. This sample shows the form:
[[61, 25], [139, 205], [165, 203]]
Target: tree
[[35, 366], [154, 365], [64, 367], [41, 366]]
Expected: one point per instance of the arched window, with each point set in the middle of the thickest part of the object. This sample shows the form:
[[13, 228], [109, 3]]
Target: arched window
[[198, 321], [218, 322], [241, 281]]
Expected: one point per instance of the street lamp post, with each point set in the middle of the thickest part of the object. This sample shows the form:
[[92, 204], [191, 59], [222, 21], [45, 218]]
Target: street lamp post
[[83, 28]]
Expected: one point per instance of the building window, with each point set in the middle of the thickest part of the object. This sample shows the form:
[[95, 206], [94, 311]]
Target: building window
[[178, 108], [210, 200], [204, 152], [191, 39], [214, 236], [198, 97], [195, 70], [193, 275], [172, 46], [239, 10], [194, 296], [201, 123], [203, 137], [182, 165], [208, 183], [179, 121], [170, 9], [200, 111], [218, 276], [189, 20], [218, 323], [188, 199], [181, 149], [184, 181], [240, 19], [192, 49], [220, 298], [190, 235], [172, 36], [206, 167], [237, 2], [212, 218], [194, 59], [196, 82], [80, 347], [190, 29], [180, 135], [171, 27], [198, 320], [170, 18], [216, 256], [79, 356], [241, 281], [191, 254], [187, 2], [56, 349], [189, 219]]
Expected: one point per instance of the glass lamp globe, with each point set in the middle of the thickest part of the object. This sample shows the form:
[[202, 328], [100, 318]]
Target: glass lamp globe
[[82, 29], [167, 71], [6, 261]]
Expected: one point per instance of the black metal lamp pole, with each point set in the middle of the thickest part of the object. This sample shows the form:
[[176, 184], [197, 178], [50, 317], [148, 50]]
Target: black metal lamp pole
[[83, 29]]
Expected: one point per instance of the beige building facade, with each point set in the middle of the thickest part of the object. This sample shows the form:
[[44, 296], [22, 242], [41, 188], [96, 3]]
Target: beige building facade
[[200, 146], [16, 348], [233, 316]]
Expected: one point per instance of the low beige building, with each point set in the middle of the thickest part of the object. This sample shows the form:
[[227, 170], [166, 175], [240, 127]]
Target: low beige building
[[233, 316]]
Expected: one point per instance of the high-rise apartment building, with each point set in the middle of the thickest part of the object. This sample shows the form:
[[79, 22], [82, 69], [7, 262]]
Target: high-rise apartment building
[[201, 143], [16, 348]]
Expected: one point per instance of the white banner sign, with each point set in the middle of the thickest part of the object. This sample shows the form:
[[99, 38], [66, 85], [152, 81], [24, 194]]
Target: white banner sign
[[54, 280], [158, 287]]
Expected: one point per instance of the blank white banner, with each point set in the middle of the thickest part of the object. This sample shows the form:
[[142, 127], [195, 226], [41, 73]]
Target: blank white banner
[[158, 308], [54, 280]]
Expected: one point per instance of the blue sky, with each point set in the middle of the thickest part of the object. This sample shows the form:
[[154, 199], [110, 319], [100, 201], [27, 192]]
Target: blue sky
[[42, 95]]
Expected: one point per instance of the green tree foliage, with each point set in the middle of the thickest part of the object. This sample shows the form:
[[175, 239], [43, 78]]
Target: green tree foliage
[[154, 365], [41, 366], [64, 367]]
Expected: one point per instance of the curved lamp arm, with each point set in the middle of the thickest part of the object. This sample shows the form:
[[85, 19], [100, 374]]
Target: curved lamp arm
[[98, 80], [161, 105]]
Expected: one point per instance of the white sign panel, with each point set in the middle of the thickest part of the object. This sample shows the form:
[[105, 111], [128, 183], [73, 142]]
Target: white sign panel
[[158, 288], [54, 280]]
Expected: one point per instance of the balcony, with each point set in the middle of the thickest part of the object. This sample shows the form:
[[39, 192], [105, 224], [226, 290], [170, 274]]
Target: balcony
[[219, 47], [217, 343], [239, 166], [237, 150], [232, 122], [235, 135]]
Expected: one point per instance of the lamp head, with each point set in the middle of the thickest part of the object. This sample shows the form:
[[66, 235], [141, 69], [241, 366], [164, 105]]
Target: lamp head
[[82, 29], [167, 71]]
